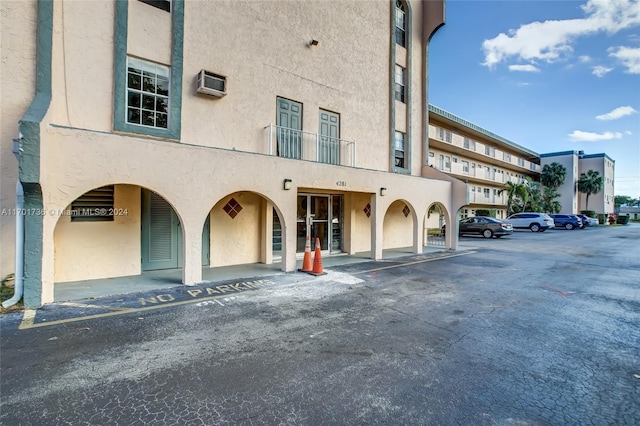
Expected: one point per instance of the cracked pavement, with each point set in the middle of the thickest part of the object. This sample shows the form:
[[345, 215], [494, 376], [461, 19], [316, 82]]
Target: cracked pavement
[[531, 329]]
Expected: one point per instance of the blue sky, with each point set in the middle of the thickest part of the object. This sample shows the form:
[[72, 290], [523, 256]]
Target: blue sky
[[549, 75]]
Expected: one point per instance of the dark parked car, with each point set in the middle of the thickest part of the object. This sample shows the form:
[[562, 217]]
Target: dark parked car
[[566, 221], [587, 221], [486, 226]]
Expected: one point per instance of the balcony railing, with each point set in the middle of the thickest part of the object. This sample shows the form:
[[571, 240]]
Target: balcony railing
[[455, 139], [292, 143]]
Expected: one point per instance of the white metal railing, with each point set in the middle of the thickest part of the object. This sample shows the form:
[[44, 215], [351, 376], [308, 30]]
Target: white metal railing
[[292, 143]]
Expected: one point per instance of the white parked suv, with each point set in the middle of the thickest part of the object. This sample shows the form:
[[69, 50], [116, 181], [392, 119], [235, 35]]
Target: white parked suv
[[536, 222]]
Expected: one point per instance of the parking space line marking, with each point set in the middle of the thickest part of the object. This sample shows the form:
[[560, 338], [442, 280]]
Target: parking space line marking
[[27, 319], [31, 324], [414, 263], [82, 305]]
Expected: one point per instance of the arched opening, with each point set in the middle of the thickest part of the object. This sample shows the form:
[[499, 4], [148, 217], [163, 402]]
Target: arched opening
[[244, 228], [398, 227], [435, 224], [117, 230]]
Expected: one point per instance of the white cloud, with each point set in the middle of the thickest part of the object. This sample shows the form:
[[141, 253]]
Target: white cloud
[[580, 136], [628, 132], [523, 84], [628, 56], [551, 40], [584, 58], [617, 113], [600, 71], [525, 68]]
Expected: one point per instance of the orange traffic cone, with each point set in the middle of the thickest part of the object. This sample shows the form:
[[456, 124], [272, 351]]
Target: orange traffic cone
[[306, 262], [317, 260]]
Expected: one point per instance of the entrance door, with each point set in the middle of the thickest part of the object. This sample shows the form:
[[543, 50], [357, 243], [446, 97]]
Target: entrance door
[[162, 235], [289, 135], [319, 216], [329, 138]]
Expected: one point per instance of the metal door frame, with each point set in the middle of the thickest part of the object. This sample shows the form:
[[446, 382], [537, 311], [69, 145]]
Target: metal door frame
[[329, 220]]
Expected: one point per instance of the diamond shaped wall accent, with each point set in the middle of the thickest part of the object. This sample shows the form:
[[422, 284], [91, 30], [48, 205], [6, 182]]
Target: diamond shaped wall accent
[[367, 210], [406, 211], [232, 208]]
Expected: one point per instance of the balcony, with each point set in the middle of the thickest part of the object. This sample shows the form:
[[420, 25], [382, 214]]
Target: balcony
[[482, 198], [299, 145], [467, 145]]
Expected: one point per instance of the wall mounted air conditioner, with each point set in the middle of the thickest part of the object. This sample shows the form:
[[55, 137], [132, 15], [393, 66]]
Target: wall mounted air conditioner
[[212, 84]]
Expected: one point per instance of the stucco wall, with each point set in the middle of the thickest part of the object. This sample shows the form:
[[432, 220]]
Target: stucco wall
[[92, 250], [603, 201], [236, 240], [17, 85], [82, 71], [569, 190], [398, 229], [263, 61], [361, 227], [149, 33]]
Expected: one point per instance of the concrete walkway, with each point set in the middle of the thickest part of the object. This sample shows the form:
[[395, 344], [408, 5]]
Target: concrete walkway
[[152, 280]]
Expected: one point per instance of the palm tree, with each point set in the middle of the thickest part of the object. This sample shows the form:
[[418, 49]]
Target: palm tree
[[590, 183], [549, 202], [553, 175], [515, 192], [534, 195]]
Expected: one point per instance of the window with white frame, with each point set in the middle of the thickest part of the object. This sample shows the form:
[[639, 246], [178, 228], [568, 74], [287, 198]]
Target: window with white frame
[[445, 135], [401, 89], [147, 93], [465, 167], [399, 150], [521, 162], [507, 157], [401, 24], [486, 193]]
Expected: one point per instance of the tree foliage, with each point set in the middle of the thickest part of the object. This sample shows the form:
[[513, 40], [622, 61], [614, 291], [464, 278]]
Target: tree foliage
[[553, 175], [590, 183], [517, 196], [624, 199]]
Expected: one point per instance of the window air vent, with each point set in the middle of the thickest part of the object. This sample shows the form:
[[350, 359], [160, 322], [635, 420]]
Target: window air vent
[[212, 84]]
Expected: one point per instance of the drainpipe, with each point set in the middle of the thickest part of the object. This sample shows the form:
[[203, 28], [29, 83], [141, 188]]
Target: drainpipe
[[18, 282]]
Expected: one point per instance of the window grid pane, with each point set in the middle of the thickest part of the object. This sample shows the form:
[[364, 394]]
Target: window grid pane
[[398, 150], [400, 88], [147, 93]]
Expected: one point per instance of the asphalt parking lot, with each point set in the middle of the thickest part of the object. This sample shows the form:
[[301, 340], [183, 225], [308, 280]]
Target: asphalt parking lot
[[530, 329]]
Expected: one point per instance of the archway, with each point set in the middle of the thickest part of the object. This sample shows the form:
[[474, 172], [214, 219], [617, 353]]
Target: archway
[[435, 225]]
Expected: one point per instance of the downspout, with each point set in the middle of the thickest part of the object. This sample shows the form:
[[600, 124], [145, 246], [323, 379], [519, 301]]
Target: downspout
[[19, 264]]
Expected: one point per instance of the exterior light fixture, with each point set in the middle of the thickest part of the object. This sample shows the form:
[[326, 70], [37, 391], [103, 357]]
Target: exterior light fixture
[[314, 42], [287, 184], [383, 192]]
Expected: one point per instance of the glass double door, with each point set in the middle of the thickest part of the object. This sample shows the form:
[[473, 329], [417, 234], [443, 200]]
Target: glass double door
[[320, 216]]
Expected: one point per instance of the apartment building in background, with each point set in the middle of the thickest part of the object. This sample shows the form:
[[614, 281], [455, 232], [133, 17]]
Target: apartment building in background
[[189, 135], [479, 157], [576, 163]]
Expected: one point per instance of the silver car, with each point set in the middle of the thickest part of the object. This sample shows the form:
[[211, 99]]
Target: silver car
[[536, 222]]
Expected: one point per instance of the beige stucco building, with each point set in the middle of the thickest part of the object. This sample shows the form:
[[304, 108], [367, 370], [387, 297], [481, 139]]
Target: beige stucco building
[[480, 157], [576, 163], [199, 134]]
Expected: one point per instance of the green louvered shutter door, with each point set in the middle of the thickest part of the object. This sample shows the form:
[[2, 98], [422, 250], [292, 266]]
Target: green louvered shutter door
[[159, 233]]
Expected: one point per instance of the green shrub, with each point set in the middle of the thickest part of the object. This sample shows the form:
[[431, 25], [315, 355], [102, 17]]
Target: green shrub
[[486, 212], [589, 213], [602, 218], [622, 220]]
